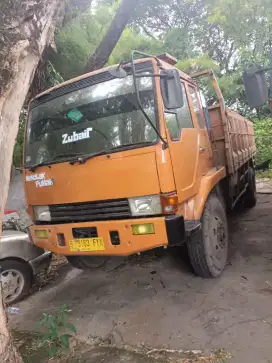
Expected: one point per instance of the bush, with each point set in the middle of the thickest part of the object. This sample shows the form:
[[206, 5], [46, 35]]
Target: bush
[[263, 135], [18, 148]]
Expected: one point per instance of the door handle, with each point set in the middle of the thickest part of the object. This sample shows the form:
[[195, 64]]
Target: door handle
[[202, 149]]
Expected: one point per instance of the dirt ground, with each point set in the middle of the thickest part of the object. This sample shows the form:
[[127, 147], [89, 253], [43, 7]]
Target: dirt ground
[[156, 301], [29, 345]]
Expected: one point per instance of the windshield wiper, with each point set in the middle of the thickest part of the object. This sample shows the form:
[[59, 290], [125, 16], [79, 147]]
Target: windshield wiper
[[82, 159], [48, 161]]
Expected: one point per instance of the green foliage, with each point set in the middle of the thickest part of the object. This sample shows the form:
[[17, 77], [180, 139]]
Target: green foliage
[[79, 38], [131, 40], [54, 77], [226, 35], [191, 65], [233, 90], [54, 330], [263, 135], [18, 148]]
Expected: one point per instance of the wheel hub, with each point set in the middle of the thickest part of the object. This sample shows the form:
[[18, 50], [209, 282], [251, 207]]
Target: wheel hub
[[12, 284]]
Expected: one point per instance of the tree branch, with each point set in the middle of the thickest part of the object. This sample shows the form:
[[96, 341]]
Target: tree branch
[[146, 31], [101, 55]]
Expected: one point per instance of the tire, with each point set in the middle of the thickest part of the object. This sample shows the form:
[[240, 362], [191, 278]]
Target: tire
[[17, 278], [250, 196], [208, 249], [87, 262]]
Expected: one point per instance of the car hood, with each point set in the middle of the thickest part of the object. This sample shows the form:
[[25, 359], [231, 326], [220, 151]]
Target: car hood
[[119, 175], [10, 235], [16, 244]]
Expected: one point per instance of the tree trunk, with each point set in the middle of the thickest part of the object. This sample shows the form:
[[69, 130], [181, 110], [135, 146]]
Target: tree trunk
[[118, 24], [26, 27], [40, 80]]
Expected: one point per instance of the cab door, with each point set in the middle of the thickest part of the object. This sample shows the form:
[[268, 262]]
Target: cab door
[[205, 151], [183, 136]]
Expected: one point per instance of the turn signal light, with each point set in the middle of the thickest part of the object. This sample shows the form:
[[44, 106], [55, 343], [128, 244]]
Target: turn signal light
[[41, 233], [147, 228], [169, 203]]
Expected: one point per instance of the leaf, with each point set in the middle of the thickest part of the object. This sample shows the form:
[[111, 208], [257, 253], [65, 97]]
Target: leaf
[[64, 340], [53, 350], [54, 334], [60, 320], [52, 322], [42, 322], [49, 336], [71, 327], [63, 308]]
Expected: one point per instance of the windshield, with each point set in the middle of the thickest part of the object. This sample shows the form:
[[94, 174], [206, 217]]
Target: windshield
[[90, 120]]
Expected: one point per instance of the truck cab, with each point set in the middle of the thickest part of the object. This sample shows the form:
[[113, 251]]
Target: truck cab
[[120, 161]]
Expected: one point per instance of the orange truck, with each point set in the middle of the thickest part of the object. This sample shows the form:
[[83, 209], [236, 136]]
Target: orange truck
[[129, 158]]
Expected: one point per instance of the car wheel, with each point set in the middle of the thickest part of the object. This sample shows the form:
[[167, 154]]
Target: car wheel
[[16, 278], [87, 262]]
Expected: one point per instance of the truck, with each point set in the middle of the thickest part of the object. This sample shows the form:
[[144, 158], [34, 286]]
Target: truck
[[129, 158]]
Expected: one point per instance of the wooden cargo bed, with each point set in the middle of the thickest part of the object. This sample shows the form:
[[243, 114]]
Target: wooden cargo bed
[[232, 135], [233, 138]]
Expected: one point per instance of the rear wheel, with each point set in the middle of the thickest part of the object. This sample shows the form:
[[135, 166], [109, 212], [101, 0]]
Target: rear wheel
[[87, 262], [208, 249], [250, 196]]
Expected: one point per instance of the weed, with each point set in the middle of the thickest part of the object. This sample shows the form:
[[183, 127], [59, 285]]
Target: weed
[[264, 174], [222, 355], [54, 330]]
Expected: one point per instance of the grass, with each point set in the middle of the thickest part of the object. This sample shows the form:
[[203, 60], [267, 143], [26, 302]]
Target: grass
[[264, 174]]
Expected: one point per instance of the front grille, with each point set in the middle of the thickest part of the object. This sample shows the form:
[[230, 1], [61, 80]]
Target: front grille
[[90, 211], [85, 232]]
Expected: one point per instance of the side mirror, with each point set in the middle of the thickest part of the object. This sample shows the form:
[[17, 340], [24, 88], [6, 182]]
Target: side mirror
[[171, 89], [255, 86]]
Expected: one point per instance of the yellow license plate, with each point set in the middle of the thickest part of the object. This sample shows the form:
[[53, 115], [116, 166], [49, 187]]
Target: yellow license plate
[[87, 244]]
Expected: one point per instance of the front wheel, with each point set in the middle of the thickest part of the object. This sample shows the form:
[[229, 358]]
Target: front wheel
[[87, 262], [208, 249], [16, 278]]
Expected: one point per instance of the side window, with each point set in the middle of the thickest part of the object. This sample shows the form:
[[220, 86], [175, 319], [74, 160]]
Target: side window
[[197, 108], [205, 110], [179, 119]]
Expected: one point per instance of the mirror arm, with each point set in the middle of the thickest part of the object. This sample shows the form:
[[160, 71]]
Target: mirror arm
[[165, 144]]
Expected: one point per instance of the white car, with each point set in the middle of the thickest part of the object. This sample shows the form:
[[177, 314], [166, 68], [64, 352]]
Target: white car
[[20, 262]]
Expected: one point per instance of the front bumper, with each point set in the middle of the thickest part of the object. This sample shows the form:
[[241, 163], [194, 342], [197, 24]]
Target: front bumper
[[169, 231], [41, 262]]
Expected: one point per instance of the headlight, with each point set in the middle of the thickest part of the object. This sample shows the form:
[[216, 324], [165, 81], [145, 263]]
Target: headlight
[[42, 213], [147, 205]]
